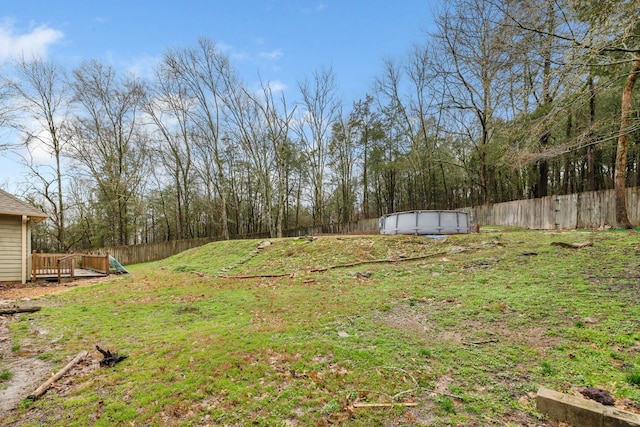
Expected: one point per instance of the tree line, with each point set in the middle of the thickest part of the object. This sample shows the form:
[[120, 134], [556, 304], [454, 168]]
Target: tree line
[[503, 100]]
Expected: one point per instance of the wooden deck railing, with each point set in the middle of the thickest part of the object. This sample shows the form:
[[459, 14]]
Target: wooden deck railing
[[99, 263], [64, 265]]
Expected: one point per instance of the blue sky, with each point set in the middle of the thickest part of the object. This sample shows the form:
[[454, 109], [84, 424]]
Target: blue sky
[[280, 41]]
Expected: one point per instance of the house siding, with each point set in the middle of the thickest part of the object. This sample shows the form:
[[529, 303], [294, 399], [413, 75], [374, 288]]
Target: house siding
[[10, 248]]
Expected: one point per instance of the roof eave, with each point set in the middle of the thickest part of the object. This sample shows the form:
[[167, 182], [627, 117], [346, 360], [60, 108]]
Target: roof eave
[[35, 217]]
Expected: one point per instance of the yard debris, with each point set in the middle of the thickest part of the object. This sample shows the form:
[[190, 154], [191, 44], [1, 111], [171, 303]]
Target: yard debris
[[258, 276], [528, 254], [374, 261], [572, 245], [264, 244], [476, 343], [402, 257], [599, 395], [110, 359], [16, 309], [47, 384], [362, 274], [383, 405]]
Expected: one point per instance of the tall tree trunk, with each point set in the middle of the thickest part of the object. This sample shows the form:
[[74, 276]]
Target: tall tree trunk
[[543, 169], [61, 207], [365, 182], [637, 168], [622, 220], [591, 148], [547, 98]]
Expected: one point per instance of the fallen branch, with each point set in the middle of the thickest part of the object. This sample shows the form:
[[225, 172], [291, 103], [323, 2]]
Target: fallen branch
[[322, 269], [374, 261], [45, 386], [572, 245], [480, 342], [14, 310], [258, 276], [383, 405]]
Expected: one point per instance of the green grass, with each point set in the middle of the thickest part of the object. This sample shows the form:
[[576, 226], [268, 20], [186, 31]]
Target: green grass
[[633, 377], [5, 375], [467, 333]]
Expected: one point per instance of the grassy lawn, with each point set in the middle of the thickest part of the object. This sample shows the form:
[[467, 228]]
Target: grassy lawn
[[468, 331]]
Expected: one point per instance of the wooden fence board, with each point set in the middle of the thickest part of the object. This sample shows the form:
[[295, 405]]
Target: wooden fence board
[[589, 210]]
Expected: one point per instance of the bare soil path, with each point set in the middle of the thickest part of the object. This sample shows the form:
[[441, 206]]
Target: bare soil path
[[27, 370]]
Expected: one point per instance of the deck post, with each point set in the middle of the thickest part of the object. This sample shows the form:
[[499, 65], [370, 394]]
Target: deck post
[[34, 265]]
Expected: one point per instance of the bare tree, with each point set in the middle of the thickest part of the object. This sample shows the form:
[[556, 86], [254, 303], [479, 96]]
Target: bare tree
[[320, 108], [276, 120], [410, 95], [205, 73], [108, 145], [42, 94], [472, 47], [342, 154], [6, 110], [169, 106]]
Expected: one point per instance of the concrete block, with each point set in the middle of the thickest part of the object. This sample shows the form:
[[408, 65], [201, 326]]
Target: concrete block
[[580, 412], [614, 417], [570, 409]]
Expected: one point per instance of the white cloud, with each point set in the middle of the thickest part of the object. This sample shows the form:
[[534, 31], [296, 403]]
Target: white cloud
[[274, 54], [144, 66], [34, 42], [232, 52], [320, 7], [277, 86]]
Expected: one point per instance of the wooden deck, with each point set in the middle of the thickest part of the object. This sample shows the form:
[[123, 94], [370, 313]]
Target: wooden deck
[[78, 273], [68, 266]]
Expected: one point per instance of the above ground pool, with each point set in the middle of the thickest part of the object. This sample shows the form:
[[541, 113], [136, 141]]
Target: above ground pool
[[424, 222]]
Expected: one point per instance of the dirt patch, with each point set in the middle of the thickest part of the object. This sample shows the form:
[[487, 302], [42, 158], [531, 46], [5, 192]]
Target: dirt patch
[[26, 369], [26, 372], [11, 291]]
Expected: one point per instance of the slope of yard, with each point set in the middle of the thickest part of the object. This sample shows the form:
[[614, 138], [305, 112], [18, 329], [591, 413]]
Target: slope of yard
[[455, 331]]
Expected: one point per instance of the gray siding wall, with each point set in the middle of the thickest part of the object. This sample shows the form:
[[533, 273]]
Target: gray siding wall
[[10, 248]]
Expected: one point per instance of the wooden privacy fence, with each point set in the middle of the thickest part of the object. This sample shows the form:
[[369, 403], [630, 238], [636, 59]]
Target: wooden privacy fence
[[66, 265], [146, 252], [362, 226], [135, 254], [589, 210]]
